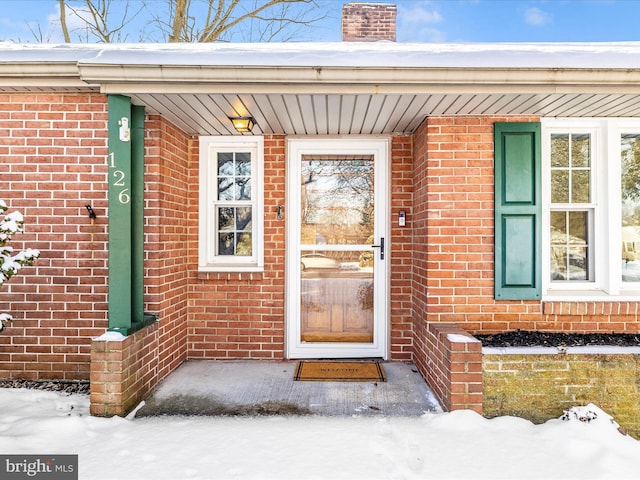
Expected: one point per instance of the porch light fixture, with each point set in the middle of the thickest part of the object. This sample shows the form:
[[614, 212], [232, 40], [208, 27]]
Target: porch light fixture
[[243, 124]]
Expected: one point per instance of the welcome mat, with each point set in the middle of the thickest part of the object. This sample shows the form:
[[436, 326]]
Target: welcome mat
[[335, 371]]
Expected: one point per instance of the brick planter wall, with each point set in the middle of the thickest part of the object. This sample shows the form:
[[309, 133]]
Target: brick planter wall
[[540, 387], [123, 371], [453, 367]]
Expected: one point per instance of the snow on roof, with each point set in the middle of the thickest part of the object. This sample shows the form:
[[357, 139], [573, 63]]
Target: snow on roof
[[620, 55]]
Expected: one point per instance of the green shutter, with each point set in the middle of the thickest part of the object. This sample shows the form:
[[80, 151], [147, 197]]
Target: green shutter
[[518, 210]]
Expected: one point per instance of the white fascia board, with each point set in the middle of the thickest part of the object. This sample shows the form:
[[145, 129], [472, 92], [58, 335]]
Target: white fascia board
[[163, 79]]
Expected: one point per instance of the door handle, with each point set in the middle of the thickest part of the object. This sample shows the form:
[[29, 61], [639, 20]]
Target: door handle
[[381, 247]]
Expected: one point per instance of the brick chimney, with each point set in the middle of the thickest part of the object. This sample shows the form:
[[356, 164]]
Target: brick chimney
[[368, 22]]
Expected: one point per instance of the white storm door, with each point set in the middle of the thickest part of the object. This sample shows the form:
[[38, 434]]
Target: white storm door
[[337, 248]]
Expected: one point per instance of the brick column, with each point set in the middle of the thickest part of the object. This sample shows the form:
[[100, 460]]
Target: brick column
[[453, 367], [123, 370]]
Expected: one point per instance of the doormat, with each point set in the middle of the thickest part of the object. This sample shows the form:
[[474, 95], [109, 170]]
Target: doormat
[[335, 371]]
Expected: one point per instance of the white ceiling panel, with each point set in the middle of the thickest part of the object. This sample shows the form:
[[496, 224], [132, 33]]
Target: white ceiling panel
[[350, 114]]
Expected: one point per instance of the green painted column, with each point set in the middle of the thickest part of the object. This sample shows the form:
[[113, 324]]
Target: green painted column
[[120, 248], [137, 214]]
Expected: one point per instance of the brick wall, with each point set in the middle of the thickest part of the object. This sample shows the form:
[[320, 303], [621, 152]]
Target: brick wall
[[454, 195], [368, 22], [123, 371], [452, 366], [52, 163], [539, 387], [401, 248], [53, 149], [170, 228], [453, 218], [241, 315]]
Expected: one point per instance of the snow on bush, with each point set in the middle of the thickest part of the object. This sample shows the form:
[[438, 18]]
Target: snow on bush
[[10, 263], [591, 414]]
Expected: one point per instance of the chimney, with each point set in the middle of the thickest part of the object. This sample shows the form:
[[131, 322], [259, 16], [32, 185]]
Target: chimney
[[368, 22]]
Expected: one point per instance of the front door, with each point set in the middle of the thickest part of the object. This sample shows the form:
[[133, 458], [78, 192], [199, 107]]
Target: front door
[[337, 248]]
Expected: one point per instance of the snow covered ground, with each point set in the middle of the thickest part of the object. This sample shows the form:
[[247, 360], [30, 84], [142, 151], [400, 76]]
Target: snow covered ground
[[457, 445]]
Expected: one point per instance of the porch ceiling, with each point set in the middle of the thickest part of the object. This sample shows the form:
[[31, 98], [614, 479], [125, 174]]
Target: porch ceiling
[[360, 113]]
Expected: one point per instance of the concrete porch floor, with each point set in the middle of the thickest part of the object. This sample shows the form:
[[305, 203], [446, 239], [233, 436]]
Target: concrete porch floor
[[218, 387]]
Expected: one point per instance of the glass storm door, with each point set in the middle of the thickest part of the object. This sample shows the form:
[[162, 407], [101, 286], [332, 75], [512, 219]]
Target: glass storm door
[[337, 249]]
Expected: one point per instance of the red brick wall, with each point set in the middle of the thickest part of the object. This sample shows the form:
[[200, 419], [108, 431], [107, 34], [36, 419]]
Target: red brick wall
[[453, 278], [453, 263], [241, 315], [170, 227], [453, 366], [53, 149], [123, 371], [402, 241], [53, 152]]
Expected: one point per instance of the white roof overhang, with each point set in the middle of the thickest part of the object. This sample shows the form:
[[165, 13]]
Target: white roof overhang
[[345, 88]]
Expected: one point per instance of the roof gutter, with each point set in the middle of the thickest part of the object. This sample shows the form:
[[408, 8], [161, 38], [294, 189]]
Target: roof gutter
[[42, 74], [398, 80], [122, 78]]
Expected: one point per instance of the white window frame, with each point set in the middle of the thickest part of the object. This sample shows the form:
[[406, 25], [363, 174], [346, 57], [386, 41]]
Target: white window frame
[[606, 233], [208, 260]]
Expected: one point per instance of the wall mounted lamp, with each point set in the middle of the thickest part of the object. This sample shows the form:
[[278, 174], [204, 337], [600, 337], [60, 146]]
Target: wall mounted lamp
[[243, 124]]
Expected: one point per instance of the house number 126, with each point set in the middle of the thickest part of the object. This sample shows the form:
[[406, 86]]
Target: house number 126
[[120, 176]]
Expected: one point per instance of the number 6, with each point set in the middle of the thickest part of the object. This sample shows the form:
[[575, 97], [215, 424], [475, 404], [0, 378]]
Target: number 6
[[124, 197]]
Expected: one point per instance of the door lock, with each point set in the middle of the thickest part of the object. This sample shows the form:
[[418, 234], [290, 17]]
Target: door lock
[[381, 247]]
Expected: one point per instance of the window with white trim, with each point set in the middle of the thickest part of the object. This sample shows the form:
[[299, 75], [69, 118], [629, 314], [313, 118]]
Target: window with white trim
[[591, 213], [231, 204]]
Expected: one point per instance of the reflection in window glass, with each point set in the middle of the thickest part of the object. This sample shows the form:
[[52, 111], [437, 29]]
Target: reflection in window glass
[[630, 150], [569, 245], [234, 176], [571, 168], [570, 210], [234, 231], [337, 199]]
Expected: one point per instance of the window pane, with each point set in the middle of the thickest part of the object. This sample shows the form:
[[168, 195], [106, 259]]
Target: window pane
[[560, 186], [630, 148], [243, 164], [225, 164], [559, 225], [337, 199], [578, 227], [580, 150], [234, 176], [243, 219], [569, 245], [243, 188], [560, 151], [225, 219], [571, 168], [226, 189], [244, 245], [580, 187], [558, 263], [234, 231], [226, 243]]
